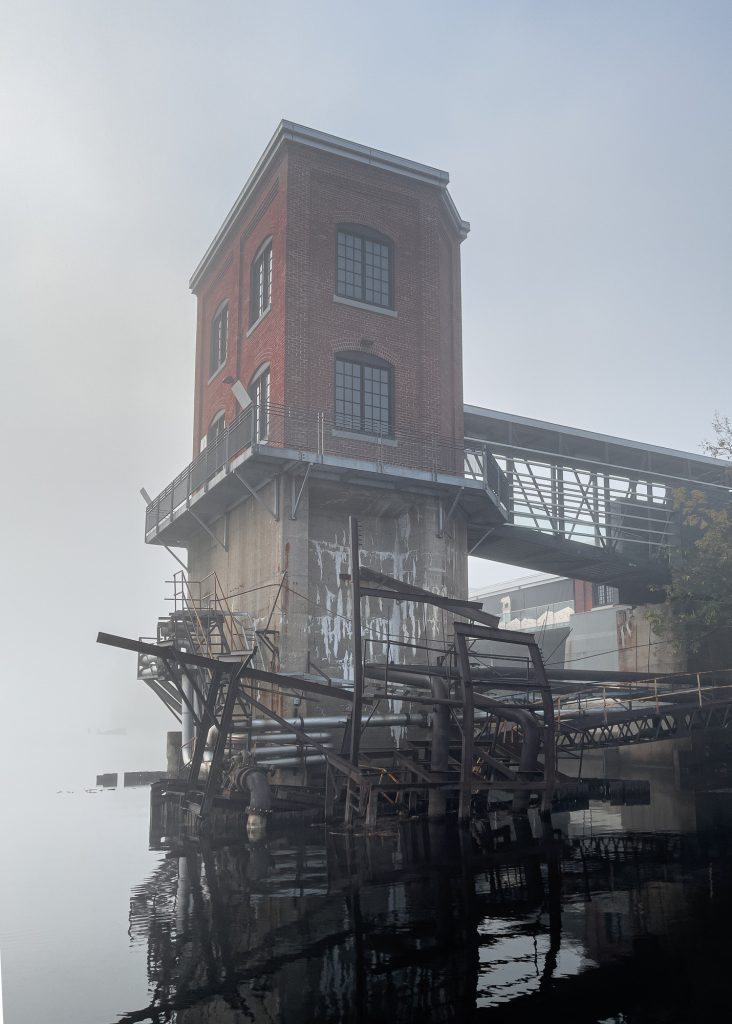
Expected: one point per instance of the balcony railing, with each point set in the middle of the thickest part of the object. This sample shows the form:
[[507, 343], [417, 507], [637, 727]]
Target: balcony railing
[[313, 435]]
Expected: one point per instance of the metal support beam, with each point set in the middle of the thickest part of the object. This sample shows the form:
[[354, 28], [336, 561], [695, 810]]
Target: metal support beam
[[445, 519], [386, 587], [483, 537], [296, 498], [275, 512], [188, 658], [210, 532]]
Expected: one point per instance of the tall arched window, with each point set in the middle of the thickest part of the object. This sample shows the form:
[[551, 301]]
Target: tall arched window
[[259, 392], [215, 445], [216, 428], [260, 289], [219, 339], [364, 394], [364, 266]]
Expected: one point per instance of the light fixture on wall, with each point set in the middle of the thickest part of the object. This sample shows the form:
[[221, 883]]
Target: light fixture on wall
[[240, 392]]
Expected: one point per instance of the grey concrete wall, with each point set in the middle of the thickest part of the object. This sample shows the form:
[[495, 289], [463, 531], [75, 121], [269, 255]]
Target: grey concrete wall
[[620, 638], [593, 641], [399, 534], [641, 649]]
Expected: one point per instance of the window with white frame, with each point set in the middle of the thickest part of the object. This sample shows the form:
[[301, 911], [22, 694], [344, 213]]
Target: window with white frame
[[259, 392], [216, 428], [219, 339], [260, 295]]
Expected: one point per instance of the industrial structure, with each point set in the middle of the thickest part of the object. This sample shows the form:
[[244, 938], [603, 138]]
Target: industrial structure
[[338, 485]]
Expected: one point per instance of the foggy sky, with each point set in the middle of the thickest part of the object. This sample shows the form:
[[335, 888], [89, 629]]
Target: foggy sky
[[588, 144]]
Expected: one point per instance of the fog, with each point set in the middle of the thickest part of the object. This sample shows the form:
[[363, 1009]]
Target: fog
[[588, 144]]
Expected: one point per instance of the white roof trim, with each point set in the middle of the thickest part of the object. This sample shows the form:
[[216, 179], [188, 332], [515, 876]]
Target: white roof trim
[[558, 428], [514, 585], [287, 131]]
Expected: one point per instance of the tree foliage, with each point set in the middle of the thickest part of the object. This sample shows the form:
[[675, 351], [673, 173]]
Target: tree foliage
[[699, 598]]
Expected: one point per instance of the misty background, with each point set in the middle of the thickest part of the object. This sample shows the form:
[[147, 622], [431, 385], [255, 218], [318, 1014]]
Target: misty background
[[588, 144]]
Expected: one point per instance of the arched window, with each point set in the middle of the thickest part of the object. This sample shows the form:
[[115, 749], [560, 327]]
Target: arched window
[[364, 266], [219, 339], [259, 392], [364, 394], [216, 428], [260, 289]]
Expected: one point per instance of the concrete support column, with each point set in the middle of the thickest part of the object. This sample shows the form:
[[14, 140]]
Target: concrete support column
[[173, 753]]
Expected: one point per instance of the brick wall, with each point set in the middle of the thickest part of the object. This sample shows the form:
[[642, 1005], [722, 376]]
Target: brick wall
[[300, 203], [422, 342], [229, 279]]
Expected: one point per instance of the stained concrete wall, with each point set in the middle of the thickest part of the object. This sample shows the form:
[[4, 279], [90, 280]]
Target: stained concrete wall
[[306, 561], [399, 537]]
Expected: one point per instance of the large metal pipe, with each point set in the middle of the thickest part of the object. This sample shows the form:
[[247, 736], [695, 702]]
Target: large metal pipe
[[332, 722], [292, 762], [528, 761], [286, 751], [288, 737], [521, 716], [186, 721], [260, 802], [506, 674]]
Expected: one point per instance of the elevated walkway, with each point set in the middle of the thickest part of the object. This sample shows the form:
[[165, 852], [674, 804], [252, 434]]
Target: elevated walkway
[[535, 494]]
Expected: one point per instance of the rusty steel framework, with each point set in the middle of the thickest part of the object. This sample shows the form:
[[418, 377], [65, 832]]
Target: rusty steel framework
[[646, 725], [498, 721], [473, 749]]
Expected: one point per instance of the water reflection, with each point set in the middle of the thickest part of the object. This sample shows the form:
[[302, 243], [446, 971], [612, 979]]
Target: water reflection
[[428, 923]]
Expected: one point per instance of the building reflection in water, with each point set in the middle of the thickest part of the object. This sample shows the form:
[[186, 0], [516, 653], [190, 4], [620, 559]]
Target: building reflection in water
[[422, 922]]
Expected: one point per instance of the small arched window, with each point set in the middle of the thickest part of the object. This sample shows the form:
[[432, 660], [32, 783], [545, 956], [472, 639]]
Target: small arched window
[[216, 428], [259, 392], [260, 288], [219, 339], [364, 266], [364, 394]]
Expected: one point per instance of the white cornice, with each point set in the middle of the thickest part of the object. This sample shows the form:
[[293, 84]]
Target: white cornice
[[289, 132]]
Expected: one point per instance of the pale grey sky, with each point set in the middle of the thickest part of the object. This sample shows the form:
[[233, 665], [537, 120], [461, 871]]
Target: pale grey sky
[[588, 144]]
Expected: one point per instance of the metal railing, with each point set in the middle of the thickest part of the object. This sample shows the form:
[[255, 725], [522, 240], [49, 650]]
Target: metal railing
[[214, 628], [628, 512], [314, 435]]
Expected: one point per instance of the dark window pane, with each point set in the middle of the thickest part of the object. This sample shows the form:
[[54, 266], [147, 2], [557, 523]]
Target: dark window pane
[[219, 338], [261, 285], [362, 269], [362, 397]]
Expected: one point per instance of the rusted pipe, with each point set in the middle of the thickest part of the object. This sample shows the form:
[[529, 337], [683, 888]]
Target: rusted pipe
[[528, 761]]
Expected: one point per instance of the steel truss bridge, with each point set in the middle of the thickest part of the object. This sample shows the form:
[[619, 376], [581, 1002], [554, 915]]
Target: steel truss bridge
[[613, 715], [582, 504], [547, 497]]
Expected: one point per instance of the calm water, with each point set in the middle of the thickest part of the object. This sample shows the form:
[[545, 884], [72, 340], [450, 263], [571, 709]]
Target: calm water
[[614, 914]]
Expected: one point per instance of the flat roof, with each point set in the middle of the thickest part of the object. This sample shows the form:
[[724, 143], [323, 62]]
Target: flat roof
[[515, 583], [288, 131]]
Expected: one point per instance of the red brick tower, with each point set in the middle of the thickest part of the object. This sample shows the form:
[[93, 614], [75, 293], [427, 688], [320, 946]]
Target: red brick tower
[[328, 383]]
